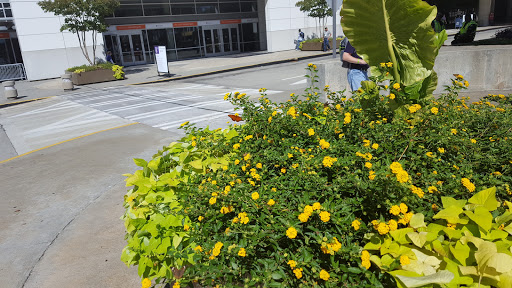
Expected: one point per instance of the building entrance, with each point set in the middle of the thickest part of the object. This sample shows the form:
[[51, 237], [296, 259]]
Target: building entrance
[[221, 40], [127, 49]]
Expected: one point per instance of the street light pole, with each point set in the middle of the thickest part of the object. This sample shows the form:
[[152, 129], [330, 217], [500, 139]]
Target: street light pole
[[334, 48]]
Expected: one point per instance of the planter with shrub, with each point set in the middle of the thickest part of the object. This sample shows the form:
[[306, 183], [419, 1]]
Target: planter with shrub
[[104, 72]]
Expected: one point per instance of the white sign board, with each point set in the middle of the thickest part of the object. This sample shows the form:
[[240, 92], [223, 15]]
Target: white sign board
[[336, 2], [161, 59]]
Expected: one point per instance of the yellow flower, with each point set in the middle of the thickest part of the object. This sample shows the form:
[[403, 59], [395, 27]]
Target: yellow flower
[[241, 252], [403, 208], [391, 96], [198, 248], [368, 165], [224, 210], [324, 144], [255, 196], [273, 190], [432, 189], [329, 161], [435, 207], [283, 170], [366, 143], [324, 275], [389, 64], [441, 150], [356, 224], [395, 167], [269, 119], [430, 154], [466, 83], [317, 206], [404, 260], [236, 146], [392, 225], [237, 162], [292, 263], [214, 182], [298, 273], [213, 200], [308, 209], [473, 141], [290, 155], [366, 264], [183, 124], [146, 283], [311, 131], [417, 191], [372, 175], [347, 119], [292, 112], [434, 110], [395, 210], [396, 86], [383, 228], [186, 227], [325, 216], [383, 64], [402, 176], [303, 217], [453, 131], [470, 186], [271, 202], [200, 218], [365, 255], [375, 146], [291, 233], [176, 285], [247, 156], [414, 108], [451, 226]]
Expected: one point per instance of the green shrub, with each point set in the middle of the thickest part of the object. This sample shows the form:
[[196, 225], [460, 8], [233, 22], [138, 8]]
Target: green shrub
[[305, 180], [118, 70]]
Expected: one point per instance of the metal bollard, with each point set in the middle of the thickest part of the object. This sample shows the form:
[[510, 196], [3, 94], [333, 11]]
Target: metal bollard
[[10, 90], [67, 84]]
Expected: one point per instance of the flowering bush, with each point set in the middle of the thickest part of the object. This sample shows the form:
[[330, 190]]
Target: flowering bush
[[305, 181]]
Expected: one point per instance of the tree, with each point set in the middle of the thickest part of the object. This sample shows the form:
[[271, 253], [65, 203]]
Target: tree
[[316, 9], [82, 16]]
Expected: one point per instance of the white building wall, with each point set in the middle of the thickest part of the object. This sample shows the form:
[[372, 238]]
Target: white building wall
[[46, 51], [283, 21]]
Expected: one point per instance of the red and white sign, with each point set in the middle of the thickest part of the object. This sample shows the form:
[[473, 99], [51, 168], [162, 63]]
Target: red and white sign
[[184, 24], [4, 36], [233, 21], [130, 27]]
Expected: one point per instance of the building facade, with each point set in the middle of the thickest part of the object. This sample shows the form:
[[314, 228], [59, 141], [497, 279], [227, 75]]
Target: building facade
[[188, 29]]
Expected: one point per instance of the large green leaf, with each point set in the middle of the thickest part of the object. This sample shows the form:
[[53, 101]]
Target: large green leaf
[[393, 30], [486, 198]]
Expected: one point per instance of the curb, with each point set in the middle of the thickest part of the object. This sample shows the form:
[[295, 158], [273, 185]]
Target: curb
[[487, 29], [5, 105], [235, 68]]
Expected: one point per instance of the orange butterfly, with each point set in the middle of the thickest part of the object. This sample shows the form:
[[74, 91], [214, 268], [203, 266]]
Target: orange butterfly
[[235, 118]]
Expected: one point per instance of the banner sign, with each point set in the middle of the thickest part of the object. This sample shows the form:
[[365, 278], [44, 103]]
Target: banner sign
[[130, 27], [161, 59]]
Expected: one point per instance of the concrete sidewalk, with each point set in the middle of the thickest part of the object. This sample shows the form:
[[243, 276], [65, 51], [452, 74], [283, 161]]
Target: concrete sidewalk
[[28, 90]]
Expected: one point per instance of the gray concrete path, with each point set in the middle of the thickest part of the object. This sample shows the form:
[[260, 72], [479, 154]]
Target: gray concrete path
[[60, 211]]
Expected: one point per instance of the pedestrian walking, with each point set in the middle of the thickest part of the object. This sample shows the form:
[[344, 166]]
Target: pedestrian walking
[[299, 39], [357, 67], [327, 35]]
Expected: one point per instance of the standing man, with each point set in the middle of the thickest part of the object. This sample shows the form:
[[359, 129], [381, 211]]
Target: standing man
[[357, 67], [327, 35], [467, 32], [299, 39]]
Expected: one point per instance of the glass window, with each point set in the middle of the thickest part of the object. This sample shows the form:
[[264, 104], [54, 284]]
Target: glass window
[[251, 46], [250, 32], [183, 9], [157, 9], [4, 56], [189, 53], [157, 37], [186, 37], [154, 1], [8, 13], [128, 11], [129, 1], [249, 6], [171, 55], [170, 39], [2, 15], [229, 7], [207, 8]]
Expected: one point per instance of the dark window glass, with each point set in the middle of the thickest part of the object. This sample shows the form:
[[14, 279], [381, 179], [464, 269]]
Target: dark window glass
[[229, 7], [2, 15], [128, 11], [129, 1], [249, 6], [156, 9], [207, 8], [4, 56], [171, 55], [251, 46], [250, 32], [184, 1], [7, 5], [157, 37], [186, 37], [8, 13], [183, 9], [189, 53], [170, 39], [154, 1]]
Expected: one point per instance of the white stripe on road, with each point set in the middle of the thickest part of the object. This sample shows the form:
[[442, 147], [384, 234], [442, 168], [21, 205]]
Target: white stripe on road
[[303, 81], [150, 103], [209, 116], [116, 101], [292, 77], [59, 106], [174, 109]]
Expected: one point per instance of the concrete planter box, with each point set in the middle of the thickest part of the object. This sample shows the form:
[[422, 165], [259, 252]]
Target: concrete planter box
[[90, 77], [317, 46]]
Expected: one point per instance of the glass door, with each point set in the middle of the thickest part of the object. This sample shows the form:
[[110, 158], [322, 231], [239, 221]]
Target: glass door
[[132, 49], [220, 40]]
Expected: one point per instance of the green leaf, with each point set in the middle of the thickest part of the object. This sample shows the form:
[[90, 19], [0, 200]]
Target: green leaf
[[460, 252], [276, 276], [441, 277], [486, 198], [417, 221], [418, 239], [399, 235], [153, 164], [374, 243], [424, 264], [481, 216], [399, 31], [140, 162], [450, 214], [197, 164], [449, 201]]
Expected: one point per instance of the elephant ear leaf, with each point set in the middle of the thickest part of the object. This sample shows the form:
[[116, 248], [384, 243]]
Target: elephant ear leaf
[[393, 30]]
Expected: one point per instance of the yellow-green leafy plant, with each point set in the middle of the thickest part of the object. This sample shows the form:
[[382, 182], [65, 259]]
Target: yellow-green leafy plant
[[467, 244], [157, 225], [118, 72]]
